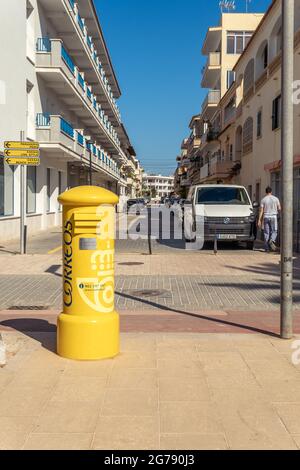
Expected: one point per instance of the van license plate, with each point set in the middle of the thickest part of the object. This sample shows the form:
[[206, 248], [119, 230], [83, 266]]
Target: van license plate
[[227, 237]]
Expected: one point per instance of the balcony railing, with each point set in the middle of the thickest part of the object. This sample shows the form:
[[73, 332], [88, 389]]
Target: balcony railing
[[80, 22], [58, 48], [80, 139], [81, 81], [89, 94], [69, 62], [89, 41], [56, 125], [43, 45], [213, 98], [66, 128], [43, 120]]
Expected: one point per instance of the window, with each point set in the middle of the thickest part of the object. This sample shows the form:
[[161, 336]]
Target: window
[[265, 57], [259, 124], [230, 78], [276, 116], [237, 41], [222, 196], [6, 189], [48, 189], [249, 77], [31, 190], [248, 136]]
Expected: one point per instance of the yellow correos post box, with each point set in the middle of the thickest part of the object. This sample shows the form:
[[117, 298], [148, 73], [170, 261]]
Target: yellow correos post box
[[88, 328]]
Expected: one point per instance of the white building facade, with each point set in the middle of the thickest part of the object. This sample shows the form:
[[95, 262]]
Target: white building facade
[[158, 186], [57, 84]]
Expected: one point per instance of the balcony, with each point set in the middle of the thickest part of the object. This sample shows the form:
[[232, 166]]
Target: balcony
[[211, 72], [55, 65], [216, 170], [210, 103], [204, 172], [58, 137], [212, 40], [91, 54]]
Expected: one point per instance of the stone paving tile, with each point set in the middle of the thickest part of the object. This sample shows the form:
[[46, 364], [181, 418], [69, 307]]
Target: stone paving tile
[[284, 390], [254, 426], [13, 431], [290, 415], [179, 369], [133, 379], [193, 389], [297, 440], [68, 417], [221, 400], [80, 389], [127, 433], [130, 403], [196, 417], [38, 441], [193, 442], [23, 402]]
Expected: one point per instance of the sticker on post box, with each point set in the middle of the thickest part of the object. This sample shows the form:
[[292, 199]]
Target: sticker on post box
[[88, 244]]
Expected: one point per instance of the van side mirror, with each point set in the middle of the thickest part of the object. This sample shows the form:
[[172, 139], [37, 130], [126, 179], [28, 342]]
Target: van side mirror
[[255, 205]]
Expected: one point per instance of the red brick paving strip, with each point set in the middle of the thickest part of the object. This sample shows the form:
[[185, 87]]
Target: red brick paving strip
[[161, 321]]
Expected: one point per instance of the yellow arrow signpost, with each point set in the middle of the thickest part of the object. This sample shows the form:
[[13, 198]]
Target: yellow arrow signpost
[[22, 153], [23, 161], [21, 145]]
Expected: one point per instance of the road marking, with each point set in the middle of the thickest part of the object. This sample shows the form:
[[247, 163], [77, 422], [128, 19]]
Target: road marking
[[55, 250]]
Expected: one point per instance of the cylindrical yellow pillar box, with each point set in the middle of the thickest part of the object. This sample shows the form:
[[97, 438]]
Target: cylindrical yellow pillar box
[[88, 328]]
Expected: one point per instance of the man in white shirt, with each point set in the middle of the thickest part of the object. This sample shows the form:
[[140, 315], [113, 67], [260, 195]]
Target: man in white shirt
[[270, 208]]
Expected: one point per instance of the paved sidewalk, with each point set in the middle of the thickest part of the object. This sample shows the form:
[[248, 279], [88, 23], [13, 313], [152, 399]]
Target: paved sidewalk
[[165, 391]]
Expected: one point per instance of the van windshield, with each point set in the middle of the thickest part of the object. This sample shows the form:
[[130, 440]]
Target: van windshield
[[222, 196]]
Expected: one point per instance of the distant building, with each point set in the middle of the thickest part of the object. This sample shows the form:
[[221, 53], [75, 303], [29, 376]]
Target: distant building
[[158, 186]]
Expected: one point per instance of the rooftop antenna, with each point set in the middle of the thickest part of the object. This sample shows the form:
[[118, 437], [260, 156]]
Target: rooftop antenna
[[227, 5]]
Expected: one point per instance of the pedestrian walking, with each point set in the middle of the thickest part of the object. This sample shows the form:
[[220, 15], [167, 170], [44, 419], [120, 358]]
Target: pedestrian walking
[[270, 208]]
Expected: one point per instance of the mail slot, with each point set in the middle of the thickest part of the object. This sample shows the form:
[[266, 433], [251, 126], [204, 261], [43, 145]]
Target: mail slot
[[88, 328]]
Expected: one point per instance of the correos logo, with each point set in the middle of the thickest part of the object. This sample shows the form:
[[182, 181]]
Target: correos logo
[[68, 264]]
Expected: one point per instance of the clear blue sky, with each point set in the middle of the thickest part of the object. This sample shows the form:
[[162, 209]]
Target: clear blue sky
[[155, 46]]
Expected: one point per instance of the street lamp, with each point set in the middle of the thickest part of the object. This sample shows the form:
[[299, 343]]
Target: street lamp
[[287, 129]]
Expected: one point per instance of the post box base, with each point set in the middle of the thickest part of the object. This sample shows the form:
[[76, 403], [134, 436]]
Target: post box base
[[88, 338]]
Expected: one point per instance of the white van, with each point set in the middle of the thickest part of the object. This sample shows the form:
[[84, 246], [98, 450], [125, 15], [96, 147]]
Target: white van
[[228, 212]]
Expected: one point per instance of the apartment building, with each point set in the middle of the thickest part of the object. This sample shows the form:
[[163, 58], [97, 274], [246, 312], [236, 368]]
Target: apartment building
[[250, 133], [58, 85], [188, 170], [223, 45], [158, 186]]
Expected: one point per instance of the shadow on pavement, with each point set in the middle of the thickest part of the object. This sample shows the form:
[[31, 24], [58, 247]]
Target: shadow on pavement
[[36, 329], [199, 317]]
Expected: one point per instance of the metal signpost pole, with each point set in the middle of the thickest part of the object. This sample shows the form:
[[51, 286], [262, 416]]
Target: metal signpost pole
[[22, 203], [287, 169]]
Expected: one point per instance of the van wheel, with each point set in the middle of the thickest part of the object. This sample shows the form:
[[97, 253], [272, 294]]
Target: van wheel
[[250, 246]]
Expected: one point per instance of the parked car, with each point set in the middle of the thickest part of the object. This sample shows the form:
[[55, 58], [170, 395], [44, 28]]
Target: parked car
[[226, 211], [138, 204]]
